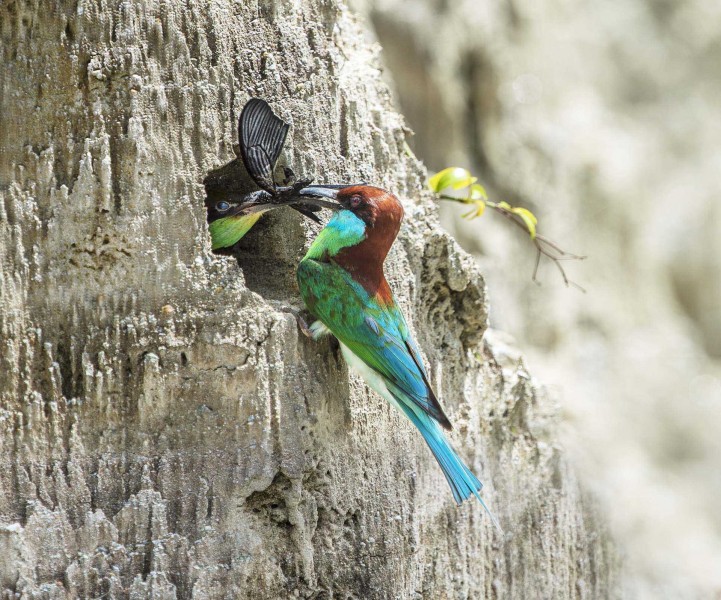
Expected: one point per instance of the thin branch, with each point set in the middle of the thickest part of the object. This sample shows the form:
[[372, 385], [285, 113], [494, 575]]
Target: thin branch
[[544, 246], [535, 268]]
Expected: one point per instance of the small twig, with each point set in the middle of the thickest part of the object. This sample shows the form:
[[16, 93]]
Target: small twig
[[535, 268], [544, 246], [454, 199]]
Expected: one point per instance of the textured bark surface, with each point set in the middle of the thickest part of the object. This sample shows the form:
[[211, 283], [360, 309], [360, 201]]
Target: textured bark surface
[[164, 430]]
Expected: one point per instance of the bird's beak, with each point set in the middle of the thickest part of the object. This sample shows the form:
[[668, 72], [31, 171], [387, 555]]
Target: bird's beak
[[315, 195]]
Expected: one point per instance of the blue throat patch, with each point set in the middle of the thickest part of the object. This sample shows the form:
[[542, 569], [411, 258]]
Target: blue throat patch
[[342, 231]]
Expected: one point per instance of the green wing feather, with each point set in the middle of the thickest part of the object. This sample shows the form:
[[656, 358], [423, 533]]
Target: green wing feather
[[374, 332]]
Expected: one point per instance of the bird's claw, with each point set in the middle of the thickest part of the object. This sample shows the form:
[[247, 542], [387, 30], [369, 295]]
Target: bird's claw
[[302, 323]]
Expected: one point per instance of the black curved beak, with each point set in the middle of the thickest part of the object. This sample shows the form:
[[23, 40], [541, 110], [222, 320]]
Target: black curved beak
[[315, 194]]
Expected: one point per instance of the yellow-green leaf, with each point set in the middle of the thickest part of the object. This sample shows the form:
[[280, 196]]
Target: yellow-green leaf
[[504, 205], [529, 219], [478, 192], [453, 177], [479, 206]]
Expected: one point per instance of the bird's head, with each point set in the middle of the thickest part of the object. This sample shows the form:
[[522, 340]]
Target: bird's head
[[367, 219], [376, 208]]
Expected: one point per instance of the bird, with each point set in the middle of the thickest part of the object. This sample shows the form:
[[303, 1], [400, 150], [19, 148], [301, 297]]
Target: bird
[[343, 286]]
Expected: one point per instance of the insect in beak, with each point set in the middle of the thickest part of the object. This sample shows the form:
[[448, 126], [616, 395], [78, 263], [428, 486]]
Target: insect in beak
[[262, 134]]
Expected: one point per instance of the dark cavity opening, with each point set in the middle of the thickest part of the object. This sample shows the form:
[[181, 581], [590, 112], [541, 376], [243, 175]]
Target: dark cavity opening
[[270, 252]]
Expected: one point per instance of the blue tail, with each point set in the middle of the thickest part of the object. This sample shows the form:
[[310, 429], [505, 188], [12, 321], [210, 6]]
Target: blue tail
[[463, 483]]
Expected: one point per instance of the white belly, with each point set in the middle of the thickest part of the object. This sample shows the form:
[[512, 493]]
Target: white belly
[[371, 377]]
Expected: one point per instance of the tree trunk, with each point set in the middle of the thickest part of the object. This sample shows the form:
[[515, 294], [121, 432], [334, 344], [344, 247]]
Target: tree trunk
[[165, 432]]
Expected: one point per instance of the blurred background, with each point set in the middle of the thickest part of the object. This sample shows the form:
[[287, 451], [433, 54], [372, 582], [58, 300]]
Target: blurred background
[[603, 118]]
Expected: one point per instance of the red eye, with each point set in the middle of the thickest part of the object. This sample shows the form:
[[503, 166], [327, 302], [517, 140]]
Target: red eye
[[355, 201]]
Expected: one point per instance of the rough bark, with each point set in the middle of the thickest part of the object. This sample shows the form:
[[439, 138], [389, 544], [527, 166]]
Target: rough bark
[[164, 430]]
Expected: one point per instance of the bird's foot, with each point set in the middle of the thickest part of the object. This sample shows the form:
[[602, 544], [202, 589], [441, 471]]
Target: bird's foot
[[305, 329]]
